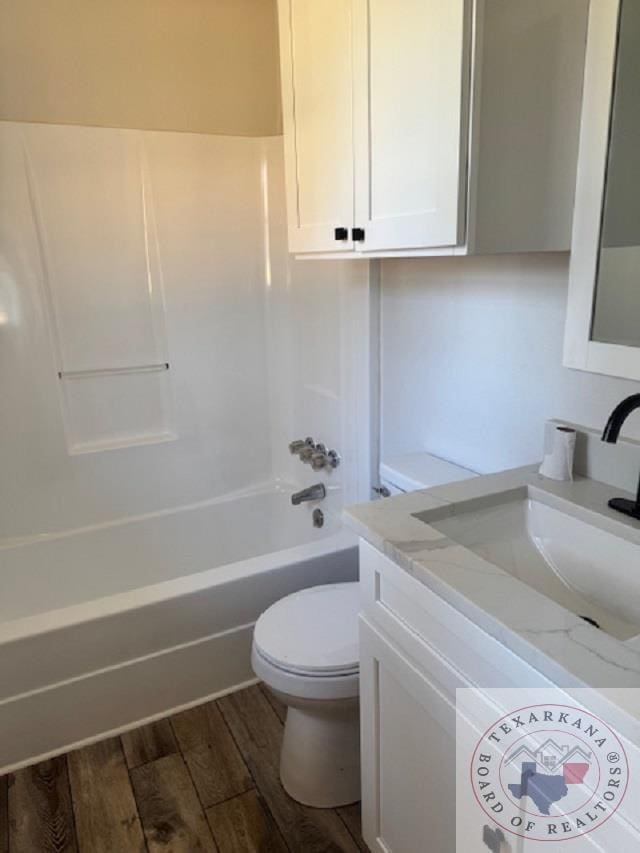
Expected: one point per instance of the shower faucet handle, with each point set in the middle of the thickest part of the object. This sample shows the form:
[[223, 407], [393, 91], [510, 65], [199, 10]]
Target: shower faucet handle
[[318, 461], [315, 454], [325, 460], [295, 447], [333, 458], [306, 453]]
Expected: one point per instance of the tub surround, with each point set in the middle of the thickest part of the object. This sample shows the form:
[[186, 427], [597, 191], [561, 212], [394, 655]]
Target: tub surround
[[249, 330], [556, 642]]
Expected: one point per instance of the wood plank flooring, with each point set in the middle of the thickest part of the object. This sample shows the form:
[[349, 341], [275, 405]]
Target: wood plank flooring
[[203, 780]]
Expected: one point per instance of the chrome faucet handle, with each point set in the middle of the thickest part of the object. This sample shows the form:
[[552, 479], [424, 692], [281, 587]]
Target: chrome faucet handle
[[318, 461], [295, 447], [325, 460], [333, 459], [306, 453]]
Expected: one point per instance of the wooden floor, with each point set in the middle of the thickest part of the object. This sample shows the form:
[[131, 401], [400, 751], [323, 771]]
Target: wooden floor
[[204, 780]]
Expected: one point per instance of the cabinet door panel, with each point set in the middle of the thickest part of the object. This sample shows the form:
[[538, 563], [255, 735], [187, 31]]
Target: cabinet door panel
[[316, 58], [408, 753], [410, 99]]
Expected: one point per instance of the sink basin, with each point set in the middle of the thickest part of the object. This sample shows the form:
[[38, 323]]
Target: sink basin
[[584, 568]]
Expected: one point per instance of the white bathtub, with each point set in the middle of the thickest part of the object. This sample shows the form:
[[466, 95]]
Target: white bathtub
[[107, 627]]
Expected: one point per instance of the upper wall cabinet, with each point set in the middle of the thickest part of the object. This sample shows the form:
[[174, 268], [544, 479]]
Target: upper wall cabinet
[[431, 127], [316, 49], [603, 316]]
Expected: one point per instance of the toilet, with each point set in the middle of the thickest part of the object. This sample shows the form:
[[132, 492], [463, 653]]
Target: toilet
[[305, 649]]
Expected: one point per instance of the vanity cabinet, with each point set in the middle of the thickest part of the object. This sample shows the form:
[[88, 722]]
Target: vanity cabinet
[[409, 742], [431, 126], [415, 652]]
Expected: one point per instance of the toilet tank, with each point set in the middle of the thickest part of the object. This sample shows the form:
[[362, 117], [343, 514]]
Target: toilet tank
[[412, 471]]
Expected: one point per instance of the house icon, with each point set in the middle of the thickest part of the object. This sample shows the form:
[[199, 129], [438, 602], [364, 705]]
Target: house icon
[[550, 756]]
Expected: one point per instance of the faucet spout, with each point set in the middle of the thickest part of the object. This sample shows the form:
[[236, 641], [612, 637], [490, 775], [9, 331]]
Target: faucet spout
[[312, 493], [618, 416], [610, 435]]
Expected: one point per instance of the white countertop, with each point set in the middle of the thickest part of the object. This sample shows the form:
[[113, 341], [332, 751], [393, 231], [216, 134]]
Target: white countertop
[[558, 643]]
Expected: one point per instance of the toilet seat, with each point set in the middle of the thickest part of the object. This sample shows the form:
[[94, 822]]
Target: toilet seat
[[312, 633], [290, 684]]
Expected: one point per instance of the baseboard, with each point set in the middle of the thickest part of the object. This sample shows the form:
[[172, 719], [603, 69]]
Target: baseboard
[[44, 723]]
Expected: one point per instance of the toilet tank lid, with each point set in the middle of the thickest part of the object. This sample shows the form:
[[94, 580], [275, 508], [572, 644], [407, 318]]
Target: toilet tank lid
[[312, 631], [413, 471]]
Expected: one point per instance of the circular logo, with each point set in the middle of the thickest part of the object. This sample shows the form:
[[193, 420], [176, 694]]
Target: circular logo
[[549, 772]]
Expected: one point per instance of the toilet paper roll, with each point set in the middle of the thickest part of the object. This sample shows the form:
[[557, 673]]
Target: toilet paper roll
[[558, 463]]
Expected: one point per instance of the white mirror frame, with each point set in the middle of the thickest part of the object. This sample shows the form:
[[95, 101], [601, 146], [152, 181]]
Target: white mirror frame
[[579, 350]]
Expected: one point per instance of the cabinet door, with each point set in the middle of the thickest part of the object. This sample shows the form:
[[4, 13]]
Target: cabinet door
[[408, 753], [410, 103], [316, 62]]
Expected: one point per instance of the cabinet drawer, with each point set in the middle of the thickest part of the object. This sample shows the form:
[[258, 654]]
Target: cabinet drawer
[[416, 619]]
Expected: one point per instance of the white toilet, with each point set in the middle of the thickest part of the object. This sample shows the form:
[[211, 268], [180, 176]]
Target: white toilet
[[305, 649]]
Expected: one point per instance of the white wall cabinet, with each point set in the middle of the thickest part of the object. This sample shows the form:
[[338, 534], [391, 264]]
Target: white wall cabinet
[[431, 126], [411, 72], [316, 45]]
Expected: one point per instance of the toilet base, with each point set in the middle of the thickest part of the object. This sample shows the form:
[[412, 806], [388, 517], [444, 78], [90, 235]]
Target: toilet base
[[320, 759]]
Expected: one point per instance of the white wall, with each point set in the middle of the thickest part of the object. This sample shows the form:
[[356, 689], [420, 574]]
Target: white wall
[[472, 360]]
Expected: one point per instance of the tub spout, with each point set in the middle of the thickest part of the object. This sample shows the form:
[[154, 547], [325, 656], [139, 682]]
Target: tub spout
[[313, 493]]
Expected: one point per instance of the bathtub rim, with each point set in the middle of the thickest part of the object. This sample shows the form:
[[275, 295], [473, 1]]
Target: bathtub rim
[[47, 621]]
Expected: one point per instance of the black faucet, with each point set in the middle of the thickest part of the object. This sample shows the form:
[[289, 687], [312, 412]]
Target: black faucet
[[611, 432]]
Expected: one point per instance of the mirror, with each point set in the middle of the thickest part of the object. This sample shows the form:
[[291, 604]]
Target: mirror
[[616, 305], [603, 310]]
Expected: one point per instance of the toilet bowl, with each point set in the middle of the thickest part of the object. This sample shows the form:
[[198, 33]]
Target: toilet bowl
[[305, 649]]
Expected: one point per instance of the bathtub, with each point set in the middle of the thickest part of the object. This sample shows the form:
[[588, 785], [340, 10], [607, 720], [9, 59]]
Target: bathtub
[[108, 627]]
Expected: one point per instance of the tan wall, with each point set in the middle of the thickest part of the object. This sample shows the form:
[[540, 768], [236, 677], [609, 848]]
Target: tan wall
[[206, 66]]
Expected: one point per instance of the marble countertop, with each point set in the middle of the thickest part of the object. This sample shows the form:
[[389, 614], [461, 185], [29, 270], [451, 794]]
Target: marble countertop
[[558, 643]]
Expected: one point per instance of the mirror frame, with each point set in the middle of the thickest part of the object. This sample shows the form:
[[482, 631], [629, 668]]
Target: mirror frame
[[580, 351]]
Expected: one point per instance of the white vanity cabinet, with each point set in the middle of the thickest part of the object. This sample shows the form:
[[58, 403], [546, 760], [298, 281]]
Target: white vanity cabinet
[[415, 651], [408, 752], [430, 126]]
